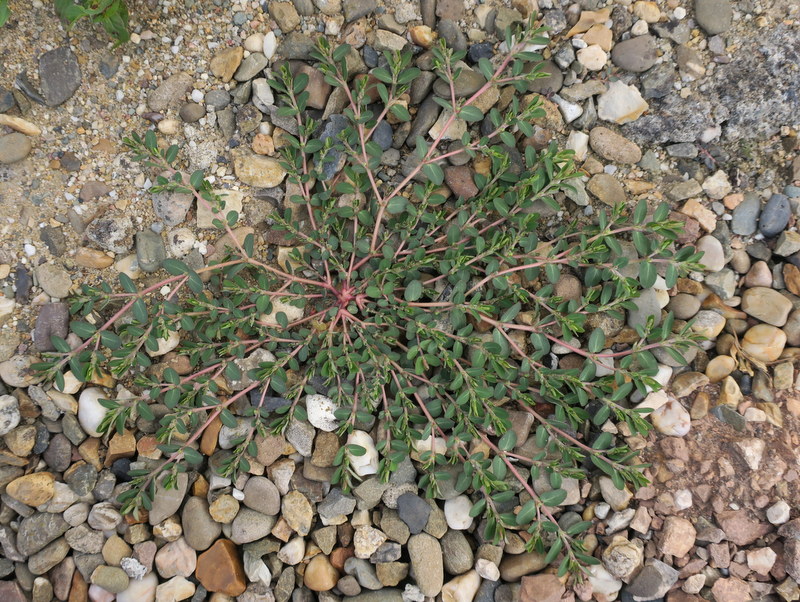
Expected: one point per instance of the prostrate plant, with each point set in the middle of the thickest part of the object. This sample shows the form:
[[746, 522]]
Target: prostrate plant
[[111, 14], [436, 315]]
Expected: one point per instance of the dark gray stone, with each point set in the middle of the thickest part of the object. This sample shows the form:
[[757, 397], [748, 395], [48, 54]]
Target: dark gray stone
[[334, 158], [413, 511], [775, 216], [745, 215], [36, 531], [59, 75], [296, 46], [658, 81]]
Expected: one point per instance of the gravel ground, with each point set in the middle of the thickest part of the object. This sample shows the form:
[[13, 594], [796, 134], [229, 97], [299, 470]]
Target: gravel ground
[[693, 102]]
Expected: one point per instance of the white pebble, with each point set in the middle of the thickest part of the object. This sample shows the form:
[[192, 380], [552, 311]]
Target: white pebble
[[639, 28], [682, 499], [672, 419], [30, 250], [778, 513], [456, 511], [366, 464], [198, 96], [679, 13], [90, 411], [270, 44]]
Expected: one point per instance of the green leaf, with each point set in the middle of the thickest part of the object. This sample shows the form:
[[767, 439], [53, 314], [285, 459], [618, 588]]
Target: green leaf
[[597, 340], [396, 204], [83, 329], [192, 456], [434, 173], [553, 497], [470, 113], [527, 513], [413, 291], [401, 112], [356, 450], [647, 274], [174, 267], [227, 419], [507, 441], [127, 284], [511, 312]]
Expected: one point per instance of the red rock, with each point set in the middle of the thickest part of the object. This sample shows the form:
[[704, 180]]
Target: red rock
[[740, 528], [731, 590], [541, 588], [11, 592], [220, 569], [459, 180]]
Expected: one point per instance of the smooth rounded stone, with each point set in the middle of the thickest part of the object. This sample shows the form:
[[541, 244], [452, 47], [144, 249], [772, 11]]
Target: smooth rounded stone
[[14, 147], [463, 588], [684, 306], [53, 320], [775, 216], [217, 99], [47, 558], [515, 566], [708, 323], [261, 495], [320, 411], [16, 371], [176, 558], [613, 147], [38, 530], [367, 463], [551, 83], [364, 572], [758, 275], [292, 552], [779, 513], [427, 568], [647, 304], [456, 512], [140, 590], [90, 411], [192, 112], [714, 16], [200, 530], [167, 501], [413, 511], [320, 576], [177, 588], [456, 552], [250, 525], [58, 453], [606, 188], [720, 367], [104, 517], [250, 67], [150, 251], [671, 419], [592, 58], [636, 54], [745, 216], [9, 414], [110, 578], [764, 342], [767, 305], [713, 254]]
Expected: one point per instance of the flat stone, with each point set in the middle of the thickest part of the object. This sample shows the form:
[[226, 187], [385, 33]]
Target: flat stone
[[636, 54], [170, 92], [714, 16], [767, 305], [167, 501], [14, 147], [258, 171], [614, 147], [426, 563], [621, 103], [59, 75]]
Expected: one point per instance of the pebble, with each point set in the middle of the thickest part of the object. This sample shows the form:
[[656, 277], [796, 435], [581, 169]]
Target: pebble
[[775, 216], [320, 411], [140, 590], [613, 147], [427, 567], [14, 147], [258, 171], [671, 419], [767, 305], [90, 411], [593, 57], [764, 343], [220, 569], [320, 575], [713, 254], [779, 513], [456, 512], [367, 463], [9, 414], [637, 54], [33, 489], [621, 103], [714, 16], [59, 75]]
